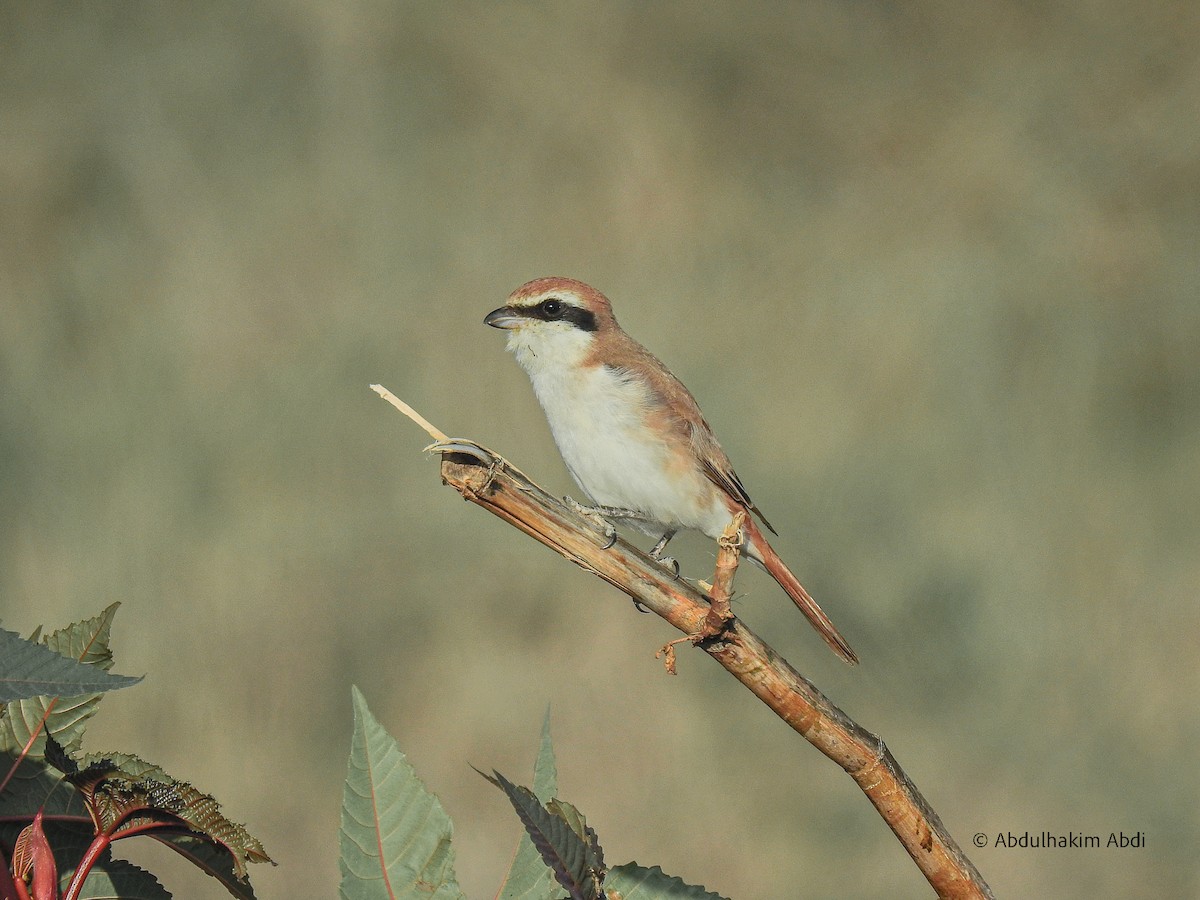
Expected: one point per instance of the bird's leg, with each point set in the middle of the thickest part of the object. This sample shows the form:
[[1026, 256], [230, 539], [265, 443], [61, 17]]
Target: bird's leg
[[668, 562], [662, 543], [600, 514]]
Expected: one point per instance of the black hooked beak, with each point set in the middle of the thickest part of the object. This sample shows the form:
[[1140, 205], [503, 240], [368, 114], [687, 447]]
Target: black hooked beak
[[505, 317]]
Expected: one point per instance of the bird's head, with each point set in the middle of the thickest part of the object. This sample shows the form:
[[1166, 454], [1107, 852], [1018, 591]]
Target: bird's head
[[554, 321]]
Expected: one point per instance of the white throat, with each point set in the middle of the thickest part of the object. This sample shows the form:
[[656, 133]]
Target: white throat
[[549, 349]]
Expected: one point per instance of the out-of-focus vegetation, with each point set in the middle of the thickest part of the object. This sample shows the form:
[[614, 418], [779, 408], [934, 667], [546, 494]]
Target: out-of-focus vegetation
[[931, 269]]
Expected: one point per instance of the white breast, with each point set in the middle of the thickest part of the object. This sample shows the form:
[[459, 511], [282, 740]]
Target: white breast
[[598, 417]]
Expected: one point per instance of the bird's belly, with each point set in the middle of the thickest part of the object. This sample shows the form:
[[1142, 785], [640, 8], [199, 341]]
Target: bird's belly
[[602, 426]]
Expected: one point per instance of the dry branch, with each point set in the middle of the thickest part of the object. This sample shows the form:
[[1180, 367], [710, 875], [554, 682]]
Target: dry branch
[[490, 481]]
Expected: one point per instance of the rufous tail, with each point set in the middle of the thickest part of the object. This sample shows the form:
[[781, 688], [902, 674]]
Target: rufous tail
[[757, 546]]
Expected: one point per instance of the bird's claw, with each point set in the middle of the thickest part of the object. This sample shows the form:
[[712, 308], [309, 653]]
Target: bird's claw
[[594, 515], [610, 534], [670, 563]]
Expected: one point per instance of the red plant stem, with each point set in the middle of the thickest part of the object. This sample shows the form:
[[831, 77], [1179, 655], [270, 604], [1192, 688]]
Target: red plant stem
[[79, 876], [28, 744], [147, 828]]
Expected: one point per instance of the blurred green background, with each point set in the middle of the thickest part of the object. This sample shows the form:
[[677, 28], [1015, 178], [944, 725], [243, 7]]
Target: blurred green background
[[931, 269]]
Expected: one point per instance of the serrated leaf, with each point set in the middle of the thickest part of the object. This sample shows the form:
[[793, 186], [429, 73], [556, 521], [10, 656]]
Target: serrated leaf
[[575, 820], [56, 755], [20, 803], [561, 848], [29, 669], [109, 878], [529, 878], [209, 858], [395, 837], [113, 878], [633, 882], [86, 641], [126, 795], [34, 786], [65, 716]]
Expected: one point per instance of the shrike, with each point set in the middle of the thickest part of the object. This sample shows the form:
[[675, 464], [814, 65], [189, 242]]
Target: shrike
[[631, 434]]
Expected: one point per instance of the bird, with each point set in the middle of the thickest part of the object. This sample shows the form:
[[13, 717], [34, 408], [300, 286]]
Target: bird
[[632, 436]]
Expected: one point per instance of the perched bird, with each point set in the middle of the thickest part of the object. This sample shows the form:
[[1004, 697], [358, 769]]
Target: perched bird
[[631, 434]]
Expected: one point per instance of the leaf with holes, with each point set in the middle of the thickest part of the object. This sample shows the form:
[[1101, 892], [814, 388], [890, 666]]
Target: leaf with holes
[[126, 795]]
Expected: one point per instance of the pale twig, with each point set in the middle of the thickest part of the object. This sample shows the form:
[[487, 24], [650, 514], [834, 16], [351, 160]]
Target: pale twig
[[391, 398]]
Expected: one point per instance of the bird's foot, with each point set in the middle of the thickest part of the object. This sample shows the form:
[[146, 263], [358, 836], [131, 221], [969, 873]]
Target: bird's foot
[[670, 563], [619, 512], [594, 515], [667, 562]]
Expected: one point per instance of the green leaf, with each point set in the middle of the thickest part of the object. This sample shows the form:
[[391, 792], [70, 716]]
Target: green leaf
[[35, 786], [567, 853], [632, 882], [545, 770], [209, 858], [65, 716], [109, 878], [29, 669], [575, 820], [395, 838], [127, 795], [115, 878], [86, 641], [529, 878]]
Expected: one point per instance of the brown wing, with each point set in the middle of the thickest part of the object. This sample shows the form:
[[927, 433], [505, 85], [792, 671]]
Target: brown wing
[[681, 413], [720, 472]]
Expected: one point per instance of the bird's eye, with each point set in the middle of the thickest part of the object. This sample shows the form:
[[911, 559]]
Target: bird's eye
[[552, 308]]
